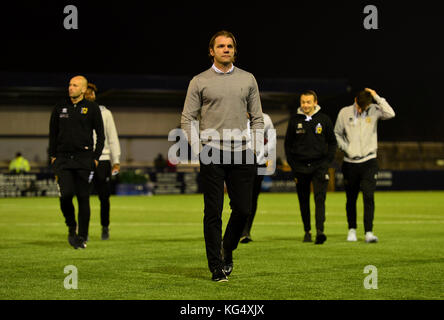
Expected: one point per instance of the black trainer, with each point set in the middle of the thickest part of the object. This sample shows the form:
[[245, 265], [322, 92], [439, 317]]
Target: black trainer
[[246, 239], [72, 237], [228, 261], [219, 276], [228, 268], [307, 237], [105, 233], [320, 238], [81, 243]]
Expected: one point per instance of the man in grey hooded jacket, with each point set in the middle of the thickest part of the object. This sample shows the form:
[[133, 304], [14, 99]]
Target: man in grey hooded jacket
[[356, 134]]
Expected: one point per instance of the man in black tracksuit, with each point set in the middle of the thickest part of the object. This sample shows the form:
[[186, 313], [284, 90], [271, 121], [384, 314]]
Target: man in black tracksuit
[[71, 148], [310, 146]]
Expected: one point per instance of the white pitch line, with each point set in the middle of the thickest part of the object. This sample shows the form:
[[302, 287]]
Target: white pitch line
[[192, 224]]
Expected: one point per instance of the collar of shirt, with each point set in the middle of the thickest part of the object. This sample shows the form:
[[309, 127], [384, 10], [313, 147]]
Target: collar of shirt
[[220, 71]]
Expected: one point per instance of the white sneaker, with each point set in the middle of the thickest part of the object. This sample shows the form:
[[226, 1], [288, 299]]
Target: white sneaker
[[352, 235], [370, 237]]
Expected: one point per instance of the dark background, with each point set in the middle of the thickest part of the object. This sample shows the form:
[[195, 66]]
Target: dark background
[[402, 60]]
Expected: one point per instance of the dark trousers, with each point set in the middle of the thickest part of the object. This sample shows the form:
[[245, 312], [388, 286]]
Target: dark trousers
[[75, 182], [102, 183], [239, 182], [360, 176], [257, 184], [319, 177]]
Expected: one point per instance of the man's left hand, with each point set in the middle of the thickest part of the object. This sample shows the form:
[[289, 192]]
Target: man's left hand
[[116, 169]]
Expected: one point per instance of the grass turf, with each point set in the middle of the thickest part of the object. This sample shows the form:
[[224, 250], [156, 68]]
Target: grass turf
[[157, 252]]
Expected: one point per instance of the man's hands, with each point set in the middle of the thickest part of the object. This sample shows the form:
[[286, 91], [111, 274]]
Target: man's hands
[[116, 169], [95, 161], [372, 92]]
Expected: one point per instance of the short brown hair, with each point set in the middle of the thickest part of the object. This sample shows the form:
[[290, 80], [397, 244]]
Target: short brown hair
[[364, 99], [224, 33], [310, 93]]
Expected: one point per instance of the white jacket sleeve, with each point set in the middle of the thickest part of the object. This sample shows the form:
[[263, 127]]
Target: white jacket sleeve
[[270, 147], [113, 138], [384, 108]]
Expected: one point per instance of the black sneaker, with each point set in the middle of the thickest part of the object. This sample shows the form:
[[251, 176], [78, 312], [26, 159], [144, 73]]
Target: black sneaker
[[228, 268], [219, 276], [228, 261], [72, 237], [81, 243], [307, 237], [246, 239], [320, 238], [105, 233]]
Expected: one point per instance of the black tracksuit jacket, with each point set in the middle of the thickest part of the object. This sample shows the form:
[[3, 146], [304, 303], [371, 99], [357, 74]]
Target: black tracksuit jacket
[[71, 132], [310, 144]]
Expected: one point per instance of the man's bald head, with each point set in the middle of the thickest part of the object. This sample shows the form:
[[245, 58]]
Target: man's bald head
[[77, 88], [82, 79]]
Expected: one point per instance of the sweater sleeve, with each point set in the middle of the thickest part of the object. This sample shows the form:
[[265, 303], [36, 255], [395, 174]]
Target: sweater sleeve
[[192, 107], [254, 109], [190, 114]]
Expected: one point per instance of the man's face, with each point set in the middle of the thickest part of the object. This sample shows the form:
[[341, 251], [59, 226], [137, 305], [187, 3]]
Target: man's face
[[308, 104], [223, 50], [360, 109], [90, 94], [77, 87]]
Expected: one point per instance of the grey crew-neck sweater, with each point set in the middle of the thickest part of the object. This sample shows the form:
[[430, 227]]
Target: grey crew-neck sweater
[[221, 101]]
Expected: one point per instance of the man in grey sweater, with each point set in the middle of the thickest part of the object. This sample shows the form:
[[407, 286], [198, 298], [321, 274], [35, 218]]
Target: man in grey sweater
[[221, 97], [356, 134]]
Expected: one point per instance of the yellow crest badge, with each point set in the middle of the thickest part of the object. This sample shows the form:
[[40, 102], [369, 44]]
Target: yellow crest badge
[[368, 120], [84, 111], [319, 129]]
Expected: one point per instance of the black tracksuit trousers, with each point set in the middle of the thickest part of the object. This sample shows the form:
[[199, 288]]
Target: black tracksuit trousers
[[319, 177], [102, 183], [360, 176], [74, 178]]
